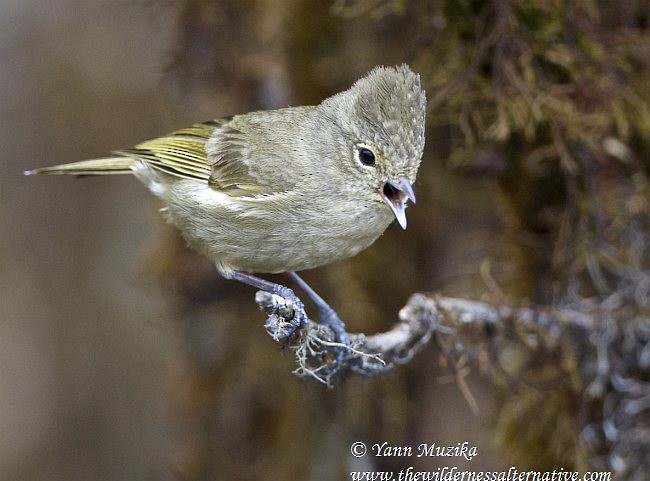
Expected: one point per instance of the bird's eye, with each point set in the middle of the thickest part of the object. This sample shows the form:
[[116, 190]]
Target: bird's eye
[[366, 157]]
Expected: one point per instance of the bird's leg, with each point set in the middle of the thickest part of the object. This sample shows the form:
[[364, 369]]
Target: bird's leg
[[298, 319], [328, 316], [280, 329]]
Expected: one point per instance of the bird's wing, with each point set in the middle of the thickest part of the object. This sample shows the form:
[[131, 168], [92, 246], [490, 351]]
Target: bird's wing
[[181, 153], [210, 151], [235, 169]]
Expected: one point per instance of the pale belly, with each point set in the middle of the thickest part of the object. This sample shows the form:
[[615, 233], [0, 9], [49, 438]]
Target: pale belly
[[268, 237]]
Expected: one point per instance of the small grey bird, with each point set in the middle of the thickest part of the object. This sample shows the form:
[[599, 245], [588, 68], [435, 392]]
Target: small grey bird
[[288, 189]]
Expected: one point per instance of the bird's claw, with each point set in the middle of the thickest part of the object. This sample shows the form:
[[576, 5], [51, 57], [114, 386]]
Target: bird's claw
[[286, 312]]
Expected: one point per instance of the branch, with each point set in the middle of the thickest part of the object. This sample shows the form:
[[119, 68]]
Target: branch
[[321, 357], [459, 327]]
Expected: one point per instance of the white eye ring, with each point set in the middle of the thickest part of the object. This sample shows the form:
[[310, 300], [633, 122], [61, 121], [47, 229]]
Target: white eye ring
[[365, 155]]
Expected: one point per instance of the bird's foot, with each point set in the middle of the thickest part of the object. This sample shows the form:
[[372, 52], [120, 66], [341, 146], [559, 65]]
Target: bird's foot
[[329, 318], [286, 312]]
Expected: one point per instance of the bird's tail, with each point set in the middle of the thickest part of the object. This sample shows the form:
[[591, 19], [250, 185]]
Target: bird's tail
[[105, 166]]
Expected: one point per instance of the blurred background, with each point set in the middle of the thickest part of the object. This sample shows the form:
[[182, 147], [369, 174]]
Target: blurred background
[[123, 356]]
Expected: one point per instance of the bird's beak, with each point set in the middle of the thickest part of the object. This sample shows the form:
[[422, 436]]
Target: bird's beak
[[395, 195]]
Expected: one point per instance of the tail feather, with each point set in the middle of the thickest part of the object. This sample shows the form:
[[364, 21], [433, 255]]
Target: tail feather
[[105, 166]]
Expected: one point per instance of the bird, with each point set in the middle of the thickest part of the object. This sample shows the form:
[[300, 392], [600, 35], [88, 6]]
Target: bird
[[280, 191]]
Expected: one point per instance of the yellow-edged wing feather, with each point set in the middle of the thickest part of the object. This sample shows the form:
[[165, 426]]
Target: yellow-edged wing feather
[[182, 153]]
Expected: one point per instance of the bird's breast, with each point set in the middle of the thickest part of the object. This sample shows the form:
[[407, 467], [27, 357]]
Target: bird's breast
[[275, 233]]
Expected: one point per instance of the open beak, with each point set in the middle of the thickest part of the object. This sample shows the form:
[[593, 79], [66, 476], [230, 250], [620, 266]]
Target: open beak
[[395, 195]]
